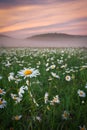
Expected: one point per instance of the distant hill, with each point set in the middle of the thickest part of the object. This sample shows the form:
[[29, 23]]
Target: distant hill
[[54, 36], [4, 36], [45, 40]]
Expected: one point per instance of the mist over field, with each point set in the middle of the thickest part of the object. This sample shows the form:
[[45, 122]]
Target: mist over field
[[45, 40]]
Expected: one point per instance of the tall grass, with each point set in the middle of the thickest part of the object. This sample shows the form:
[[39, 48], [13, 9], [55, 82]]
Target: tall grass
[[56, 99]]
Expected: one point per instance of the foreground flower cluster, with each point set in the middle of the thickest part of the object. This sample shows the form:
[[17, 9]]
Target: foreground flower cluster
[[43, 89]]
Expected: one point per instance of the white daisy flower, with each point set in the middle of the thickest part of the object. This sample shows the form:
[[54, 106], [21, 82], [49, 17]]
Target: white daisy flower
[[47, 69], [52, 66], [8, 64], [17, 117], [28, 72], [65, 115], [81, 93], [64, 66], [1, 77], [46, 97], [21, 90], [47, 64], [86, 86], [35, 102], [38, 118], [16, 98], [11, 76], [2, 103], [28, 82], [67, 78], [82, 128], [2, 92], [55, 75], [55, 100]]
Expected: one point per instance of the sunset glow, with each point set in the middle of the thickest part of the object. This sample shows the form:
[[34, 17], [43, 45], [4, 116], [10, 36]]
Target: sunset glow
[[24, 18]]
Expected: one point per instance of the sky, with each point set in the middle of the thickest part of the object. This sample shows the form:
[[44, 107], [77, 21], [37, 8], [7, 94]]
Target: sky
[[24, 18]]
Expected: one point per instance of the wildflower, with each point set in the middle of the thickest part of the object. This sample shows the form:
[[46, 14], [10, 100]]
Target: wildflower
[[64, 66], [83, 102], [49, 79], [67, 78], [47, 64], [11, 128], [21, 90], [55, 75], [17, 80], [55, 100], [16, 98], [27, 82], [8, 64], [35, 102], [38, 118], [48, 69], [1, 77], [28, 72], [46, 97], [52, 66], [17, 117], [81, 93], [65, 115], [82, 128], [86, 86], [11, 76], [2, 92], [13, 96], [2, 103], [48, 108]]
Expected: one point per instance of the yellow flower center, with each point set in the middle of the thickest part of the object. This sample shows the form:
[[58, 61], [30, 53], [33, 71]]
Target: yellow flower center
[[1, 102], [27, 72], [65, 114], [15, 98], [82, 128], [1, 91], [81, 93], [55, 100], [16, 117]]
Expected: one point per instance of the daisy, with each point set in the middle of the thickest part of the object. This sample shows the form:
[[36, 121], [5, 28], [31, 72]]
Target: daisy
[[86, 86], [55, 100], [46, 97], [81, 93], [65, 115], [2, 92], [16, 98], [28, 72], [2, 103], [38, 118], [8, 64], [17, 117], [11, 76], [55, 75], [47, 64], [35, 102], [21, 90], [82, 128], [67, 78], [52, 66], [28, 82], [1, 77], [48, 69]]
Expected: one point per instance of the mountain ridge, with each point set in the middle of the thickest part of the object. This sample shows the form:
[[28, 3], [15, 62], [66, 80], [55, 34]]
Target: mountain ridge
[[55, 35]]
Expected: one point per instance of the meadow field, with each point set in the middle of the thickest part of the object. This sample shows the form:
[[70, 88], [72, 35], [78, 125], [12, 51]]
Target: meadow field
[[43, 89]]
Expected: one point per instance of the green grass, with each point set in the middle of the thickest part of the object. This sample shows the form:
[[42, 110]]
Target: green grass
[[36, 114]]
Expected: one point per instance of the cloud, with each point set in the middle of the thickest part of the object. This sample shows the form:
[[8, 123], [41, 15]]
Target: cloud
[[12, 3], [34, 18]]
